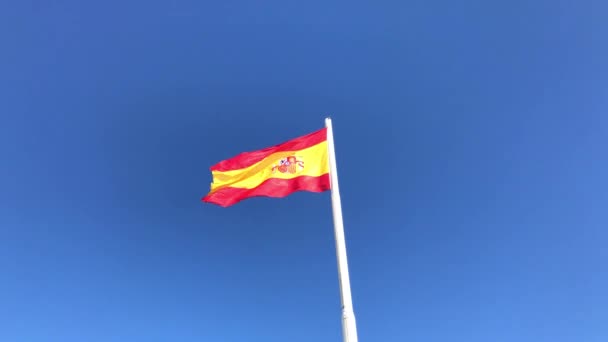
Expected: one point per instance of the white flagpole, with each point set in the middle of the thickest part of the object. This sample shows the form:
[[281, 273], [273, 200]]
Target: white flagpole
[[349, 326]]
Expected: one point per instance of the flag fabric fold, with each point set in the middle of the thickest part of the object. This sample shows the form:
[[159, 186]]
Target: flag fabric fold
[[300, 164]]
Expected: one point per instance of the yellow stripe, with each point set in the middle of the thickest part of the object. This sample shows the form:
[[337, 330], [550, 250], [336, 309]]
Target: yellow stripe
[[316, 163]]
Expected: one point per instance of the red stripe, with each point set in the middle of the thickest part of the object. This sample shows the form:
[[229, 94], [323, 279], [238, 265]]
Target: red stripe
[[246, 159], [273, 187]]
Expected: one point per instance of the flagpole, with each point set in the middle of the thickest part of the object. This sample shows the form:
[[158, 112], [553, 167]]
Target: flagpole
[[349, 326]]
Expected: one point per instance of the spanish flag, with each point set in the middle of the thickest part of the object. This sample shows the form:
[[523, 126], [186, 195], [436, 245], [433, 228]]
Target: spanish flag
[[300, 164]]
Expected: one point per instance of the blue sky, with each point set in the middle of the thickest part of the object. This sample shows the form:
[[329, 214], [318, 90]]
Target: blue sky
[[471, 142]]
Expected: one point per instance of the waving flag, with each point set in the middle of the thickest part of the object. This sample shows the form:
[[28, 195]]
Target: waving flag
[[307, 163], [300, 164]]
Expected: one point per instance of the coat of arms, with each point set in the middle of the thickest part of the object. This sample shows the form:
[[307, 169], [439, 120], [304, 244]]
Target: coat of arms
[[289, 164]]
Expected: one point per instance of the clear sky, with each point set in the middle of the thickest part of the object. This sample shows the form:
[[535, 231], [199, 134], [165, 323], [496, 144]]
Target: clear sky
[[471, 143]]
